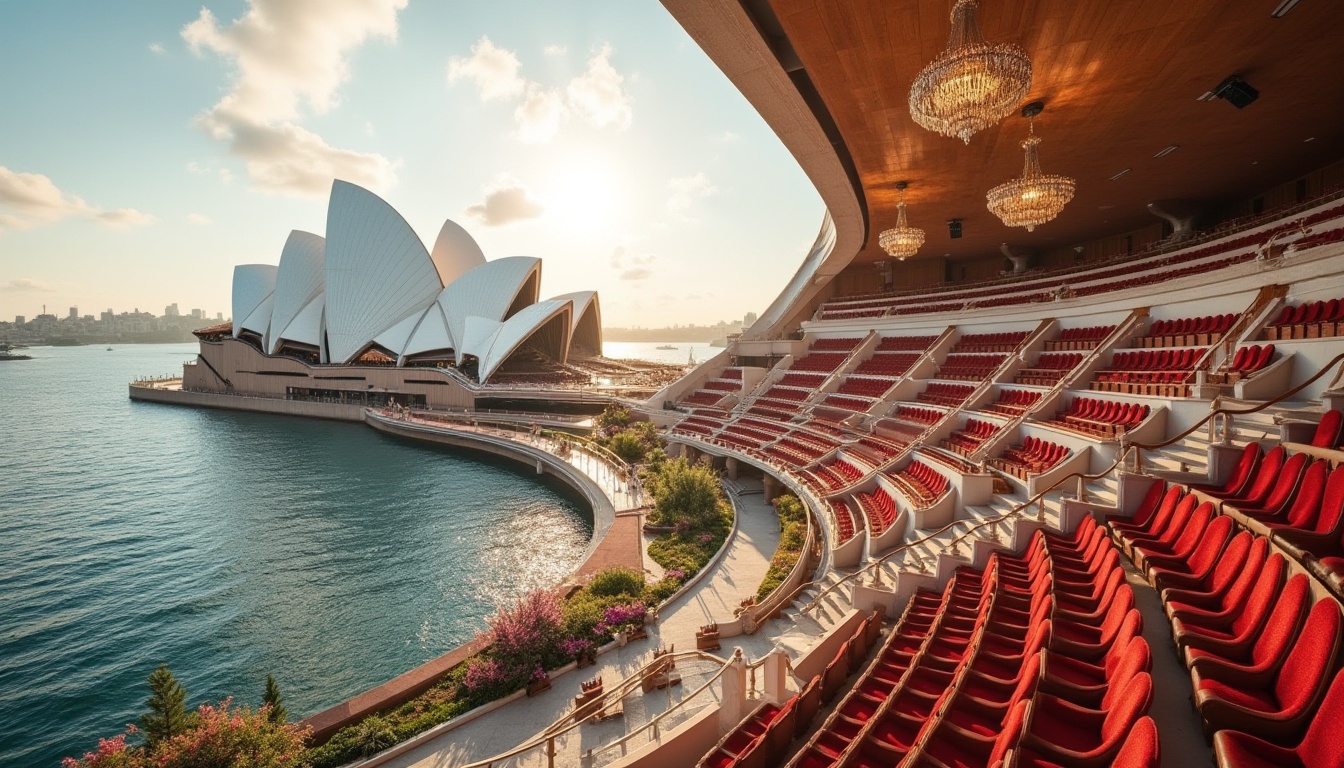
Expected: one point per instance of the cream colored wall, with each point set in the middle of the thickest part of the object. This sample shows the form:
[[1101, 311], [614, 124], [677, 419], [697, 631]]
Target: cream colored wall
[[242, 365]]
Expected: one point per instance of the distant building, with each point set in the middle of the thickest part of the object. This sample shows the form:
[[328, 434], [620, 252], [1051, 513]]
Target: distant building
[[74, 313], [749, 319], [170, 310], [107, 315], [197, 314], [19, 320]]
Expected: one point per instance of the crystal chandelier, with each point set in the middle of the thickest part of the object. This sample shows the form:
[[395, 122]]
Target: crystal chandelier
[[901, 240], [972, 85], [1036, 197]]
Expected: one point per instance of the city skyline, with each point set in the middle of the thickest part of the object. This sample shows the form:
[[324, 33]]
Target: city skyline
[[595, 136]]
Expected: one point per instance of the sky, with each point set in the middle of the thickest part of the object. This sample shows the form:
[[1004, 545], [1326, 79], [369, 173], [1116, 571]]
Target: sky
[[148, 147]]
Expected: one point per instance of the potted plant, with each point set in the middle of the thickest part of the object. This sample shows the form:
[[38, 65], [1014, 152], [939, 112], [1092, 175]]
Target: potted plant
[[540, 681]]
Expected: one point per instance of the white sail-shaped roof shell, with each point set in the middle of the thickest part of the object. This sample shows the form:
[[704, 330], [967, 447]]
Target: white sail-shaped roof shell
[[510, 335], [252, 284], [378, 271], [455, 252], [585, 327], [259, 322], [394, 339], [430, 335], [489, 291], [300, 279], [305, 328]]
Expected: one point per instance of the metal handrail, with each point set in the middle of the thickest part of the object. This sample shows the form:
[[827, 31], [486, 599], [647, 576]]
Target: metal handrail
[[624, 688], [1125, 449]]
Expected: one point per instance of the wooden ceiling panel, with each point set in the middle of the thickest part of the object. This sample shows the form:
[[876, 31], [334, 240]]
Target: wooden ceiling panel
[[1120, 80]]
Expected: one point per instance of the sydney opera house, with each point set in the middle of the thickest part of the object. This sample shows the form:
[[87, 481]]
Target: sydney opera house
[[1058, 383], [427, 325]]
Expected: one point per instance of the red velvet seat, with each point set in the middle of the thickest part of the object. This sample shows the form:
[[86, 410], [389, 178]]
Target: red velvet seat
[[1252, 663], [1321, 747], [1078, 736], [1305, 506], [1279, 711], [1322, 538], [1198, 559], [1231, 581], [1281, 492], [1260, 486], [1239, 621], [1240, 478], [1166, 528], [1141, 749], [1090, 643], [1328, 429], [964, 751], [1181, 543]]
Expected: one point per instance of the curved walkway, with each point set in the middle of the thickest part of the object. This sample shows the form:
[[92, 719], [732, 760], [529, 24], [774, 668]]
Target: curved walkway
[[736, 576]]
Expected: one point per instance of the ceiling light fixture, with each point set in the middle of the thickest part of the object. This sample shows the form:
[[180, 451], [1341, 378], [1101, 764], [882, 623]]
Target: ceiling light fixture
[[1036, 197], [1167, 151], [901, 240], [1117, 176], [972, 85]]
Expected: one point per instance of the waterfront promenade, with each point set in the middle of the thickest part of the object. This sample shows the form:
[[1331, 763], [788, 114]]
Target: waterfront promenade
[[732, 577]]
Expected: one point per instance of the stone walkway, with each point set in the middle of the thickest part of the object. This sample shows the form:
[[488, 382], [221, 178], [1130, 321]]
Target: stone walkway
[[736, 576]]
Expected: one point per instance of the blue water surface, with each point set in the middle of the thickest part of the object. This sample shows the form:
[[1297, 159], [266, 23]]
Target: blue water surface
[[232, 545]]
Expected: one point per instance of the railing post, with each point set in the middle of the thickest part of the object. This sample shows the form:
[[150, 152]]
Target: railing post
[[550, 752]]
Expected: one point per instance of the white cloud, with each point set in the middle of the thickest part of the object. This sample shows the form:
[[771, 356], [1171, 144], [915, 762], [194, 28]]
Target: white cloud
[[555, 50], [25, 285], [685, 190], [124, 218], [494, 71], [632, 267], [290, 55], [597, 95], [539, 115], [506, 201], [157, 49], [30, 200], [199, 219]]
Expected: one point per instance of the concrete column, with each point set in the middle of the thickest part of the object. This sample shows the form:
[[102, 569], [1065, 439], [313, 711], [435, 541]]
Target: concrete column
[[770, 488], [776, 669], [733, 693], [688, 452], [730, 466]]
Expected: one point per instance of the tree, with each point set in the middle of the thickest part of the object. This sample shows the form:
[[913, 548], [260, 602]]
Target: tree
[[167, 716], [275, 701], [627, 446], [685, 491]]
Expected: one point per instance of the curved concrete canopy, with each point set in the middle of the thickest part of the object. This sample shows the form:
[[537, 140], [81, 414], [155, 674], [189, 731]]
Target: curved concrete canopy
[[301, 277], [455, 252], [252, 283], [378, 271], [489, 291]]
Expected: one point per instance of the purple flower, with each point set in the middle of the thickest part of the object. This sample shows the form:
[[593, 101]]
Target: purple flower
[[705, 538], [676, 573], [538, 674]]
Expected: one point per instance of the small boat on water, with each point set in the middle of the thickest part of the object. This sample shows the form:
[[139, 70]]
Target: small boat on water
[[665, 346], [109, 349]]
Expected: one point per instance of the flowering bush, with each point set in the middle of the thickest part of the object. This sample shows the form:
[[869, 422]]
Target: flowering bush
[[574, 647], [483, 674], [111, 753], [622, 618], [527, 634], [538, 674], [677, 574], [228, 736], [705, 538]]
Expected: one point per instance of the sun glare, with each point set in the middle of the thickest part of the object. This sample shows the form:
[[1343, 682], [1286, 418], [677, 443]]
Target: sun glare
[[583, 190]]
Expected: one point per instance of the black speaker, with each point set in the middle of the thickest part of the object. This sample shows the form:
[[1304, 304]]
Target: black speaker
[[1236, 91], [954, 228]]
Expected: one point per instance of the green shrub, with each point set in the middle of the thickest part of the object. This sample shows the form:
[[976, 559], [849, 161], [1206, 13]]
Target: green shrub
[[616, 581], [661, 590], [793, 519]]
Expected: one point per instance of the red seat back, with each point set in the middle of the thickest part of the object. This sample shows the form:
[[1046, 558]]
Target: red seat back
[[1328, 429], [1130, 705], [1141, 749], [1303, 676], [1324, 743], [1307, 503], [1281, 626]]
